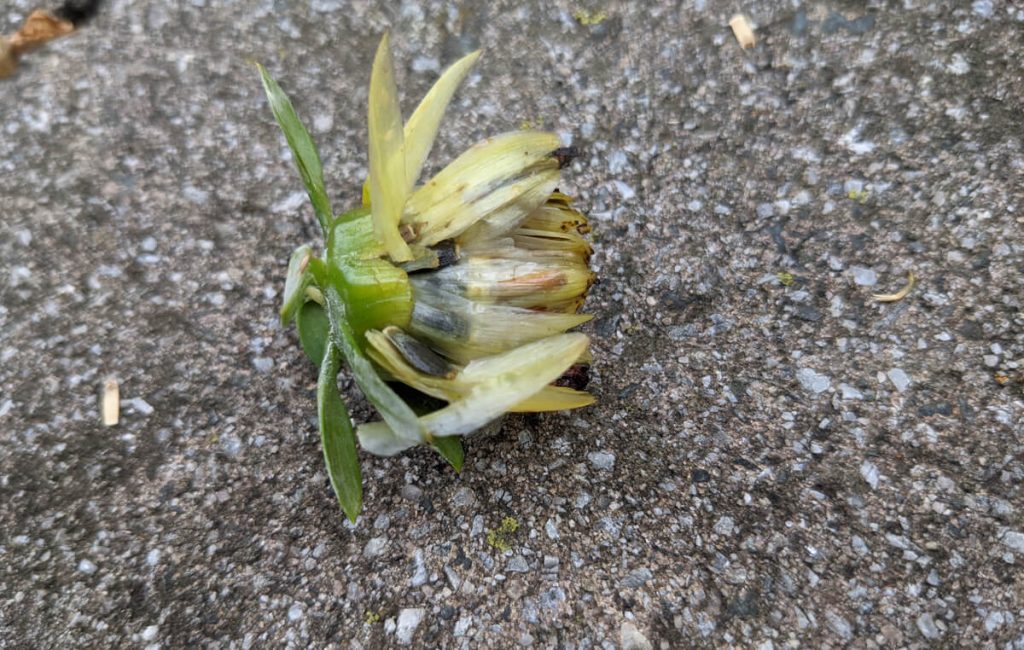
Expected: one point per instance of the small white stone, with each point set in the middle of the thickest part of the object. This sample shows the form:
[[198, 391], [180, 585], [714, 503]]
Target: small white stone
[[87, 567], [1014, 539], [426, 64], [850, 392], [551, 529], [150, 633], [982, 8], [630, 638], [602, 459], [140, 406], [869, 472], [419, 570], [725, 526], [926, 624], [295, 612], [993, 621], [813, 381], [624, 190], [864, 277], [375, 546], [899, 379], [408, 620]]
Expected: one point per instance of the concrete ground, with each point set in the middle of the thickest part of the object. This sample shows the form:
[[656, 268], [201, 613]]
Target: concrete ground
[[776, 458]]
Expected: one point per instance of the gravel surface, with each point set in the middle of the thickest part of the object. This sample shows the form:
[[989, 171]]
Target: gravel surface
[[776, 459]]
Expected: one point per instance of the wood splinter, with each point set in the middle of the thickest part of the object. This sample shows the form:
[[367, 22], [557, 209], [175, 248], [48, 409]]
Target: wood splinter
[[743, 31], [111, 407]]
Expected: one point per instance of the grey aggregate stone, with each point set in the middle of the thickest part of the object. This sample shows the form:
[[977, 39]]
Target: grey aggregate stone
[[813, 381], [602, 459], [408, 620], [637, 578]]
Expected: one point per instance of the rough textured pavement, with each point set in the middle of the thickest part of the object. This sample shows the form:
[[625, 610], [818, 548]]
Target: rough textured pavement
[[776, 460]]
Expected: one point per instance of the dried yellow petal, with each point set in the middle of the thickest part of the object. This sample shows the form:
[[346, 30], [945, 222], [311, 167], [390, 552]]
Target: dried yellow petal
[[899, 295], [388, 186]]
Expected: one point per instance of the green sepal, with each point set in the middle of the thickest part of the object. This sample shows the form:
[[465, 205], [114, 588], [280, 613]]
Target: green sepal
[[396, 413], [314, 330], [303, 150], [299, 277], [337, 437]]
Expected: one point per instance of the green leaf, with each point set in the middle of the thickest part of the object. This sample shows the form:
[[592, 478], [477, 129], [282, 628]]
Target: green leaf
[[303, 150], [314, 330], [299, 277], [337, 437], [396, 413], [451, 449]]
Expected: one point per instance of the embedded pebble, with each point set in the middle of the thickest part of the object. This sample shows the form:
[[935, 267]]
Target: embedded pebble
[[926, 624], [813, 381], [869, 471], [725, 526], [850, 392], [517, 564], [602, 459], [1014, 539], [375, 546], [419, 570], [408, 620], [899, 379], [630, 638], [637, 578], [863, 276]]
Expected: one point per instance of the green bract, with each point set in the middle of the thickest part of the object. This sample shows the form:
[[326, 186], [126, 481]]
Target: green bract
[[461, 289]]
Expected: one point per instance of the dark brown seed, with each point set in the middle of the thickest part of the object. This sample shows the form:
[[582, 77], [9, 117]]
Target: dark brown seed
[[576, 377]]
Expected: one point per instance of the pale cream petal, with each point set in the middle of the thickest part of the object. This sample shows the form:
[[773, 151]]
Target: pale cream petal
[[421, 129], [453, 387], [507, 204], [378, 439], [444, 206], [499, 222], [388, 186], [502, 381]]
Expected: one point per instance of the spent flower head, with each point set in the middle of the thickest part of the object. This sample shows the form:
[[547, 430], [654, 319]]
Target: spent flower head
[[450, 301]]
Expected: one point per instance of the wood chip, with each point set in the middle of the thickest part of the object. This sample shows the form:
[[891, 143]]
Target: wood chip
[[899, 295], [111, 403], [743, 31]]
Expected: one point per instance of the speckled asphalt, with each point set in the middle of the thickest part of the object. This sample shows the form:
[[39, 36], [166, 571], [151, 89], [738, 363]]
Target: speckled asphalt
[[776, 459]]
